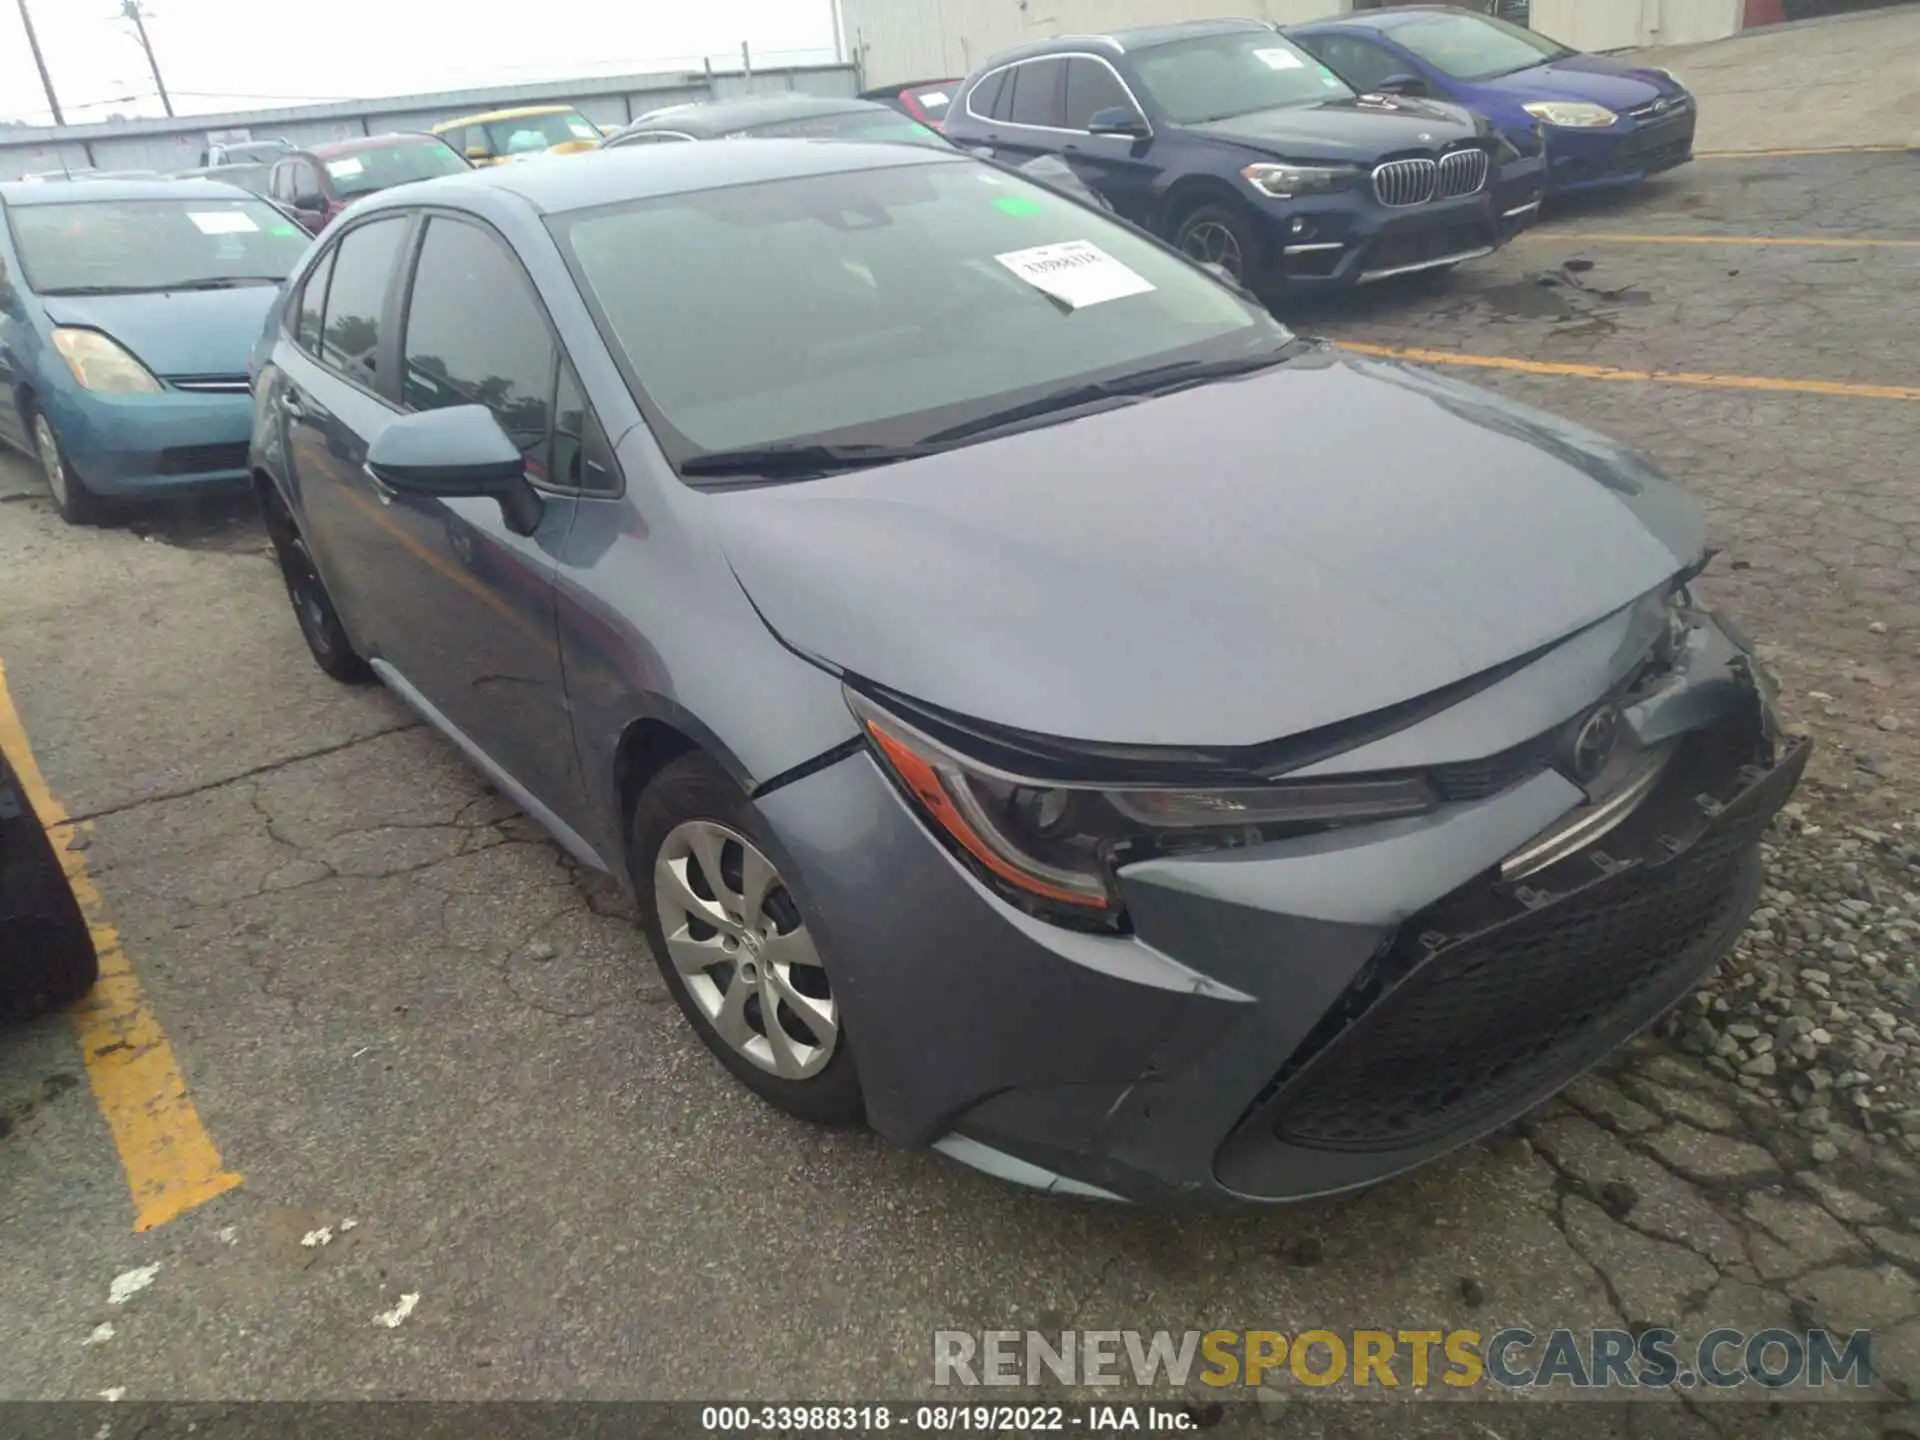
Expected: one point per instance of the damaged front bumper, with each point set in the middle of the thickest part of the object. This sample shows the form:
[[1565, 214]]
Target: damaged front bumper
[[1301, 1017]]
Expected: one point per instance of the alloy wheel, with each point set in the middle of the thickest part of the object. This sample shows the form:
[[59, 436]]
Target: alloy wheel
[[50, 460], [1212, 243], [739, 944], [309, 598]]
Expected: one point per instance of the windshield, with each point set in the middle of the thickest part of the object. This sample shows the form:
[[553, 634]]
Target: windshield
[[130, 245], [879, 123], [1219, 76], [376, 168], [528, 134], [882, 306], [1476, 47]]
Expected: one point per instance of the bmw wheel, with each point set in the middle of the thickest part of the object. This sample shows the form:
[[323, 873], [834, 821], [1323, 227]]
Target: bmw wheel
[[734, 946], [1218, 235]]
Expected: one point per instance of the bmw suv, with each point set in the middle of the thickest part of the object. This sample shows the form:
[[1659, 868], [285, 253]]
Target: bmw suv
[[1237, 146]]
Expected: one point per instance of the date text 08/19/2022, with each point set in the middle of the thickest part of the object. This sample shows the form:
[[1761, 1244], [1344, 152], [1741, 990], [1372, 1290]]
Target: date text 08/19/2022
[[946, 1419]]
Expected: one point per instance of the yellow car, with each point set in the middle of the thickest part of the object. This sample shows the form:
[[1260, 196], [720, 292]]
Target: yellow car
[[503, 135]]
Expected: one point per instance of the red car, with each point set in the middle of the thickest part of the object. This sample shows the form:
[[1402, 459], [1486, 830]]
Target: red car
[[925, 100], [317, 183]]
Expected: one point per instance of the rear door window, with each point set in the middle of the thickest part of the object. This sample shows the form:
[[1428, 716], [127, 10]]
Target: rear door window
[[985, 96], [1091, 88], [1039, 94], [363, 266]]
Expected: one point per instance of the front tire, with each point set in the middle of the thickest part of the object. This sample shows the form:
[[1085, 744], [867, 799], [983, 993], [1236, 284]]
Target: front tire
[[77, 504], [1220, 234], [734, 947]]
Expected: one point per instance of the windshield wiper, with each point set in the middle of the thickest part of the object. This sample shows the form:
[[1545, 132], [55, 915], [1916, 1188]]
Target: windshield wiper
[[219, 282], [1159, 380], [92, 290], [797, 460]]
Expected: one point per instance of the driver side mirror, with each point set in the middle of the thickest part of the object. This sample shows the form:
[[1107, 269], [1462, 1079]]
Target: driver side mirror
[[455, 452], [1119, 120], [1401, 85]]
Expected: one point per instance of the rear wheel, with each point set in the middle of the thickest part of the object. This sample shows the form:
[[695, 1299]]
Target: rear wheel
[[320, 623], [77, 504], [734, 947]]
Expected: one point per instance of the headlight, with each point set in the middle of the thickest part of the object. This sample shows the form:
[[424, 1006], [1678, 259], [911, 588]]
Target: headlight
[[102, 365], [1052, 848], [1571, 114], [1680, 619], [1283, 182]]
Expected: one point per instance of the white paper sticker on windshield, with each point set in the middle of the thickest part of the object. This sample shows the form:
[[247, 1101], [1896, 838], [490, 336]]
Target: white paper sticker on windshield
[[934, 97], [345, 166], [1077, 273], [1279, 59], [223, 222]]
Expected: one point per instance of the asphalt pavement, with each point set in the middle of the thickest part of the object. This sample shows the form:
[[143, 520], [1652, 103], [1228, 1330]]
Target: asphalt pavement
[[429, 1128]]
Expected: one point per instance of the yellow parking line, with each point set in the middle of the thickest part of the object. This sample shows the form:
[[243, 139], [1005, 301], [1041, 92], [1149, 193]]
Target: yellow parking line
[[170, 1161], [1812, 150], [1664, 377], [1820, 242]]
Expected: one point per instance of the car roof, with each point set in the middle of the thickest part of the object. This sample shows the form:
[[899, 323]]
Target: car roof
[[519, 112], [54, 192], [721, 116], [643, 172], [1140, 37], [370, 142], [1386, 19]]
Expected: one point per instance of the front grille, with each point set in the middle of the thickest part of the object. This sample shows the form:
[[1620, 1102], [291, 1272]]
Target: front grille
[[1399, 183], [199, 459], [210, 384], [1498, 991], [1462, 172]]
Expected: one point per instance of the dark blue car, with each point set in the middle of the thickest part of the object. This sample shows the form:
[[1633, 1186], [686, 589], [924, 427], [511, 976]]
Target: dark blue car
[[1605, 122], [127, 309], [1238, 147]]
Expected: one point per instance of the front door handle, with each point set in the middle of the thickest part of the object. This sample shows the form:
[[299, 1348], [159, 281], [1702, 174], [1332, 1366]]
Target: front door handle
[[291, 406]]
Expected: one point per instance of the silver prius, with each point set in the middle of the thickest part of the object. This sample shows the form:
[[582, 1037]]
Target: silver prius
[[1044, 709]]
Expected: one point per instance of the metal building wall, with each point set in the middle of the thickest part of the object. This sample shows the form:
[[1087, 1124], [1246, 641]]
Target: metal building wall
[[1627, 24], [170, 145], [900, 40]]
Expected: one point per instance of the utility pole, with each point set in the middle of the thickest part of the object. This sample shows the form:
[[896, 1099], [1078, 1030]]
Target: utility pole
[[46, 80], [131, 9]]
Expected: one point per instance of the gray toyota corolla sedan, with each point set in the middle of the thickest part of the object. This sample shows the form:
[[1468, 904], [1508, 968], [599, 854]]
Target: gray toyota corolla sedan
[[1043, 708]]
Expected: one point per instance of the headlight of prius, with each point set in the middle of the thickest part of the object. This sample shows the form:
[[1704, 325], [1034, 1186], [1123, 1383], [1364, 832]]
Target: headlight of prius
[[101, 364], [1052, 848], [1571, 114], [1283, 181]]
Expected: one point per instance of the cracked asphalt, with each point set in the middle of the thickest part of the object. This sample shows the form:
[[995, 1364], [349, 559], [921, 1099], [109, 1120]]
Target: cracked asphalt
[[396, 1004]]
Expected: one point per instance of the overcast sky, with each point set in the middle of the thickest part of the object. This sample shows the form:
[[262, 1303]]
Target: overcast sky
[[242, 54]]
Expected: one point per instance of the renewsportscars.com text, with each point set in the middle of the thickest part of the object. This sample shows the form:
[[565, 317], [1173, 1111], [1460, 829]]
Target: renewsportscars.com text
[[1512, 1358]]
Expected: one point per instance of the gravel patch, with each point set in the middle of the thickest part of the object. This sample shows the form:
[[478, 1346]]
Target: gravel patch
[[1815, 1014]]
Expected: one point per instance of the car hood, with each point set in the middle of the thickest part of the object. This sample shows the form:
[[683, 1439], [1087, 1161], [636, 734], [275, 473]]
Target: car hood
[[1584, 77], [175, 332], [1358, 128], [1221, 566]]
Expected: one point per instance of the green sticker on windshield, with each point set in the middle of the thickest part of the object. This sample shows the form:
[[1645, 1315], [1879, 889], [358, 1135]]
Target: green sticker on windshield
[[283, 229], [1018, 205], [1327, 76]]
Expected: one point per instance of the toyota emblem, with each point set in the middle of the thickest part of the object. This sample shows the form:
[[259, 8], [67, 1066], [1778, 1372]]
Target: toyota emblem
[[1594, 742]]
